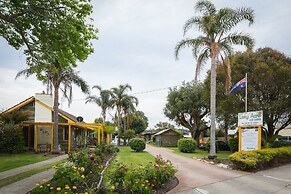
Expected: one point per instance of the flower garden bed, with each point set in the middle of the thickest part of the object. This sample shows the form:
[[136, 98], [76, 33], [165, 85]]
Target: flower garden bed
[[84, 169], [81, 174]]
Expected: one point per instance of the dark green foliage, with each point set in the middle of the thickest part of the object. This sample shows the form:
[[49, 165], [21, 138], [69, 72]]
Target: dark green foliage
[[139, 123], [129, 134], [137, 144], [269, 83], [220, 146], [16, 117], [280, 143], [233, 144], [187, 145], [187, 107], [11, 138]]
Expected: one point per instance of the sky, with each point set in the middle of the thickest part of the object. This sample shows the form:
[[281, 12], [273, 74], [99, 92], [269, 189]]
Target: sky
[[135, 45]]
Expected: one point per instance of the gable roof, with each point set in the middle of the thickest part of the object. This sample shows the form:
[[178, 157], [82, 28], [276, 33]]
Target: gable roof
[[62, 113]]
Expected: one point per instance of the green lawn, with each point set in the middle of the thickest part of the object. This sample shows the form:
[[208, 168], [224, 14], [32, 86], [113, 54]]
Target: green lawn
[[10, 161], [130, 157], [201, 153], [18, 177]]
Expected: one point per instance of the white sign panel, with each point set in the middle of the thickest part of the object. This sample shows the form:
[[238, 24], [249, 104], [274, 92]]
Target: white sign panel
[[254, 118], [249, 139]]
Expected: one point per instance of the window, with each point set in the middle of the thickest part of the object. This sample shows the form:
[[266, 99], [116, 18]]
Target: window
[[65, 134]]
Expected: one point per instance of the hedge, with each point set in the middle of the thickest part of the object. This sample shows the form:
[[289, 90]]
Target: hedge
[[137, 144], [257, 159], [11, 138], [187, 145]]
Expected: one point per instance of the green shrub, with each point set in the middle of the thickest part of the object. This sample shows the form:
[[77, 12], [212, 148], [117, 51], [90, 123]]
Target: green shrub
[[251, 160], [219, 146], [233, 144], [137, 144], [187, 145], [280, 143], [11, 138]]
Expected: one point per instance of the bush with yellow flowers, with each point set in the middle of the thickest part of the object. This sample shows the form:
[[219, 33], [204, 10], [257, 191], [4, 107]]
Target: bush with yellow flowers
[[142, 180], [260, 159]]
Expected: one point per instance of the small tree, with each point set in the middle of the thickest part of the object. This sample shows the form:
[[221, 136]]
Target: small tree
[[137, 144], [11, 138]]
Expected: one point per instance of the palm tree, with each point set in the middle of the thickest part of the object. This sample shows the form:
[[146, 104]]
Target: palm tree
[[119, 96], [216, 44], [44, 77], [128, 107], [62, 79], [104, 100]]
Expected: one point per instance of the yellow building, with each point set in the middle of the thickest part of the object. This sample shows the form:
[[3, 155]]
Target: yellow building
[[38, 129]]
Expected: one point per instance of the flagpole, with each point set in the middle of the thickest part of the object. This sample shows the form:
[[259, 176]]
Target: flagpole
[[246, 97]]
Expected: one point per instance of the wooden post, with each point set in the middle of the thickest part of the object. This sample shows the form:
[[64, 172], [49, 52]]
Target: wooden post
[[239, 138], [52, 140], [102, 129], [35, 137], [98, 131], [260, 136], [69, 139], [108, 138]]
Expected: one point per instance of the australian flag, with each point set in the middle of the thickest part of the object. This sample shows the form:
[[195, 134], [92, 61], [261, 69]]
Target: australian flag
[[240, 84]]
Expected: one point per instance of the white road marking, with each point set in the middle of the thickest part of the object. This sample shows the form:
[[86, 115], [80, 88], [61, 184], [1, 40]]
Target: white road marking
[[271, 177]]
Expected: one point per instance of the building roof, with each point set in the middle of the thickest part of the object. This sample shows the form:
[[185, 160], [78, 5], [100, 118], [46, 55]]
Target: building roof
[[62, 113], [165, 130]]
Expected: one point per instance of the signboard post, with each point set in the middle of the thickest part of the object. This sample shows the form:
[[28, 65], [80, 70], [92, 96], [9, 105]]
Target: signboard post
[[250, 128]]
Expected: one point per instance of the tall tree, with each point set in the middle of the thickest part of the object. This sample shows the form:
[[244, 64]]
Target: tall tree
[[269, 83], [215, 43], [62, 79], [139, 122], [49, 30], [104, 100], [163, 125], [56, 35], [119, 94], [128, 106], [187, 107]]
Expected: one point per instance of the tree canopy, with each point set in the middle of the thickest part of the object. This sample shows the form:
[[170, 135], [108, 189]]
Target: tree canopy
[[187, 107], [269, 83], [54, 31]]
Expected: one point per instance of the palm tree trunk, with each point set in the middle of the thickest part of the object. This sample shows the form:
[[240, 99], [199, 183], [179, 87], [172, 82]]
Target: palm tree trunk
[[212, 153], [118, 124], [56, 120], [104, 116]]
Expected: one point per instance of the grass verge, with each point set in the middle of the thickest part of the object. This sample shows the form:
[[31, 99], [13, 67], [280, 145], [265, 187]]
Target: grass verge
[[20, 176], [10, 161], [132, 158], [201, 153]]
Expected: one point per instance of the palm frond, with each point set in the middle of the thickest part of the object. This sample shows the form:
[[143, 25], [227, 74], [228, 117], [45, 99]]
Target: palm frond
[[194, 21], [25, 72], [240, 39], [227, 71], [201, 60], [186, 43], [231, 18], [206, 7]]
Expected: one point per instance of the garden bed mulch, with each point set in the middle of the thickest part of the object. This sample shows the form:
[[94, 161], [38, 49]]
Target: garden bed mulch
[[227, 164], [168, 186]]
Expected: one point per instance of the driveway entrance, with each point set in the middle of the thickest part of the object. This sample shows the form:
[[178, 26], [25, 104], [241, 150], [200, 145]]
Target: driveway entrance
[[203, 178]]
